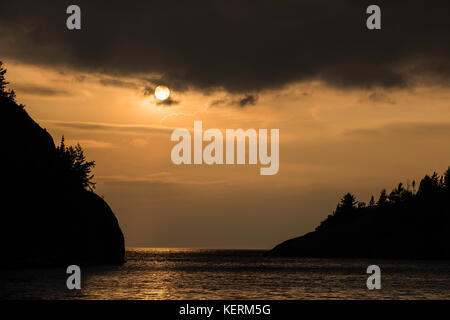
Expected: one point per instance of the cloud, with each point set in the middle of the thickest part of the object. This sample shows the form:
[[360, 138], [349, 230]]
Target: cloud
[[219, 102], [118, 83], [91, 144], [379, 97], [149, 90], [238, 46], [38, 90], [168, 102], [248, 99], [95, 126], [158, 178], [407, 130], [139, 143]]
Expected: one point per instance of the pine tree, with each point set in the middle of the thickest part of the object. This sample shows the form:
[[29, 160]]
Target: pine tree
[[3, 82], [447, 179], [75, 169], [4, 92], [383, 198], [348, 204]]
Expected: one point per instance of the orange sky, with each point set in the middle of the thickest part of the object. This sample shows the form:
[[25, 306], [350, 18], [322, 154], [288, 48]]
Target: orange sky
[[331, 141]]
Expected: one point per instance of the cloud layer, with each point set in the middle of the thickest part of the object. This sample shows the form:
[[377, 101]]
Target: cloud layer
[[92, 126], [240, 46]]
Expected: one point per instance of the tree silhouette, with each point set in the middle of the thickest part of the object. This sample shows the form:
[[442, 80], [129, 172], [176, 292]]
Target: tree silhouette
[[75, 170], [383, 198], [52, 217], [361, 204], [372, 201], [428, 208], [400, 194], [428, 186], [348, 204], [4, 92], [447, 179]]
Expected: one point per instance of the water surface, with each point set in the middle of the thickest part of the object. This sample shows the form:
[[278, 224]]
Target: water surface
[[232, 274]]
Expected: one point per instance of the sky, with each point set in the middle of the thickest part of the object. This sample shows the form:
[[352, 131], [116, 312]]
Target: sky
[[357, 110]]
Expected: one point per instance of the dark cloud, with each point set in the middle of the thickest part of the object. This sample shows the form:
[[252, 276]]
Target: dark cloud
[[241, 46], [380, 97], [168, 102], [249, 99], [218, 102], [149, 91]]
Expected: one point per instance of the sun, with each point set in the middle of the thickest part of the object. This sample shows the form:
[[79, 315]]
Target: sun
[[162, 92]]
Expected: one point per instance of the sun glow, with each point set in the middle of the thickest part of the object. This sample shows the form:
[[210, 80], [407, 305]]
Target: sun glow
[[162, 92]]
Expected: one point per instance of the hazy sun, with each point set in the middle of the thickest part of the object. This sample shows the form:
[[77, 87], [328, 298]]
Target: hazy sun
[[162, 92]]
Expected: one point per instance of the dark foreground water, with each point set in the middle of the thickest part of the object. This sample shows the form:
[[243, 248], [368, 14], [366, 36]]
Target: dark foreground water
[[232, 274]]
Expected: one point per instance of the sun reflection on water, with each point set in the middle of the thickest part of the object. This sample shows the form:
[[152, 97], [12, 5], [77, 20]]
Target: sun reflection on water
[[167, 273]]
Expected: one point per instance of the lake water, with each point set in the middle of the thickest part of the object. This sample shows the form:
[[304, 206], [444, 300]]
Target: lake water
[[232, 274]]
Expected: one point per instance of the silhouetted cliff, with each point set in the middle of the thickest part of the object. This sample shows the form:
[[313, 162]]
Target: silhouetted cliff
[[45, 219], [403, 224]]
